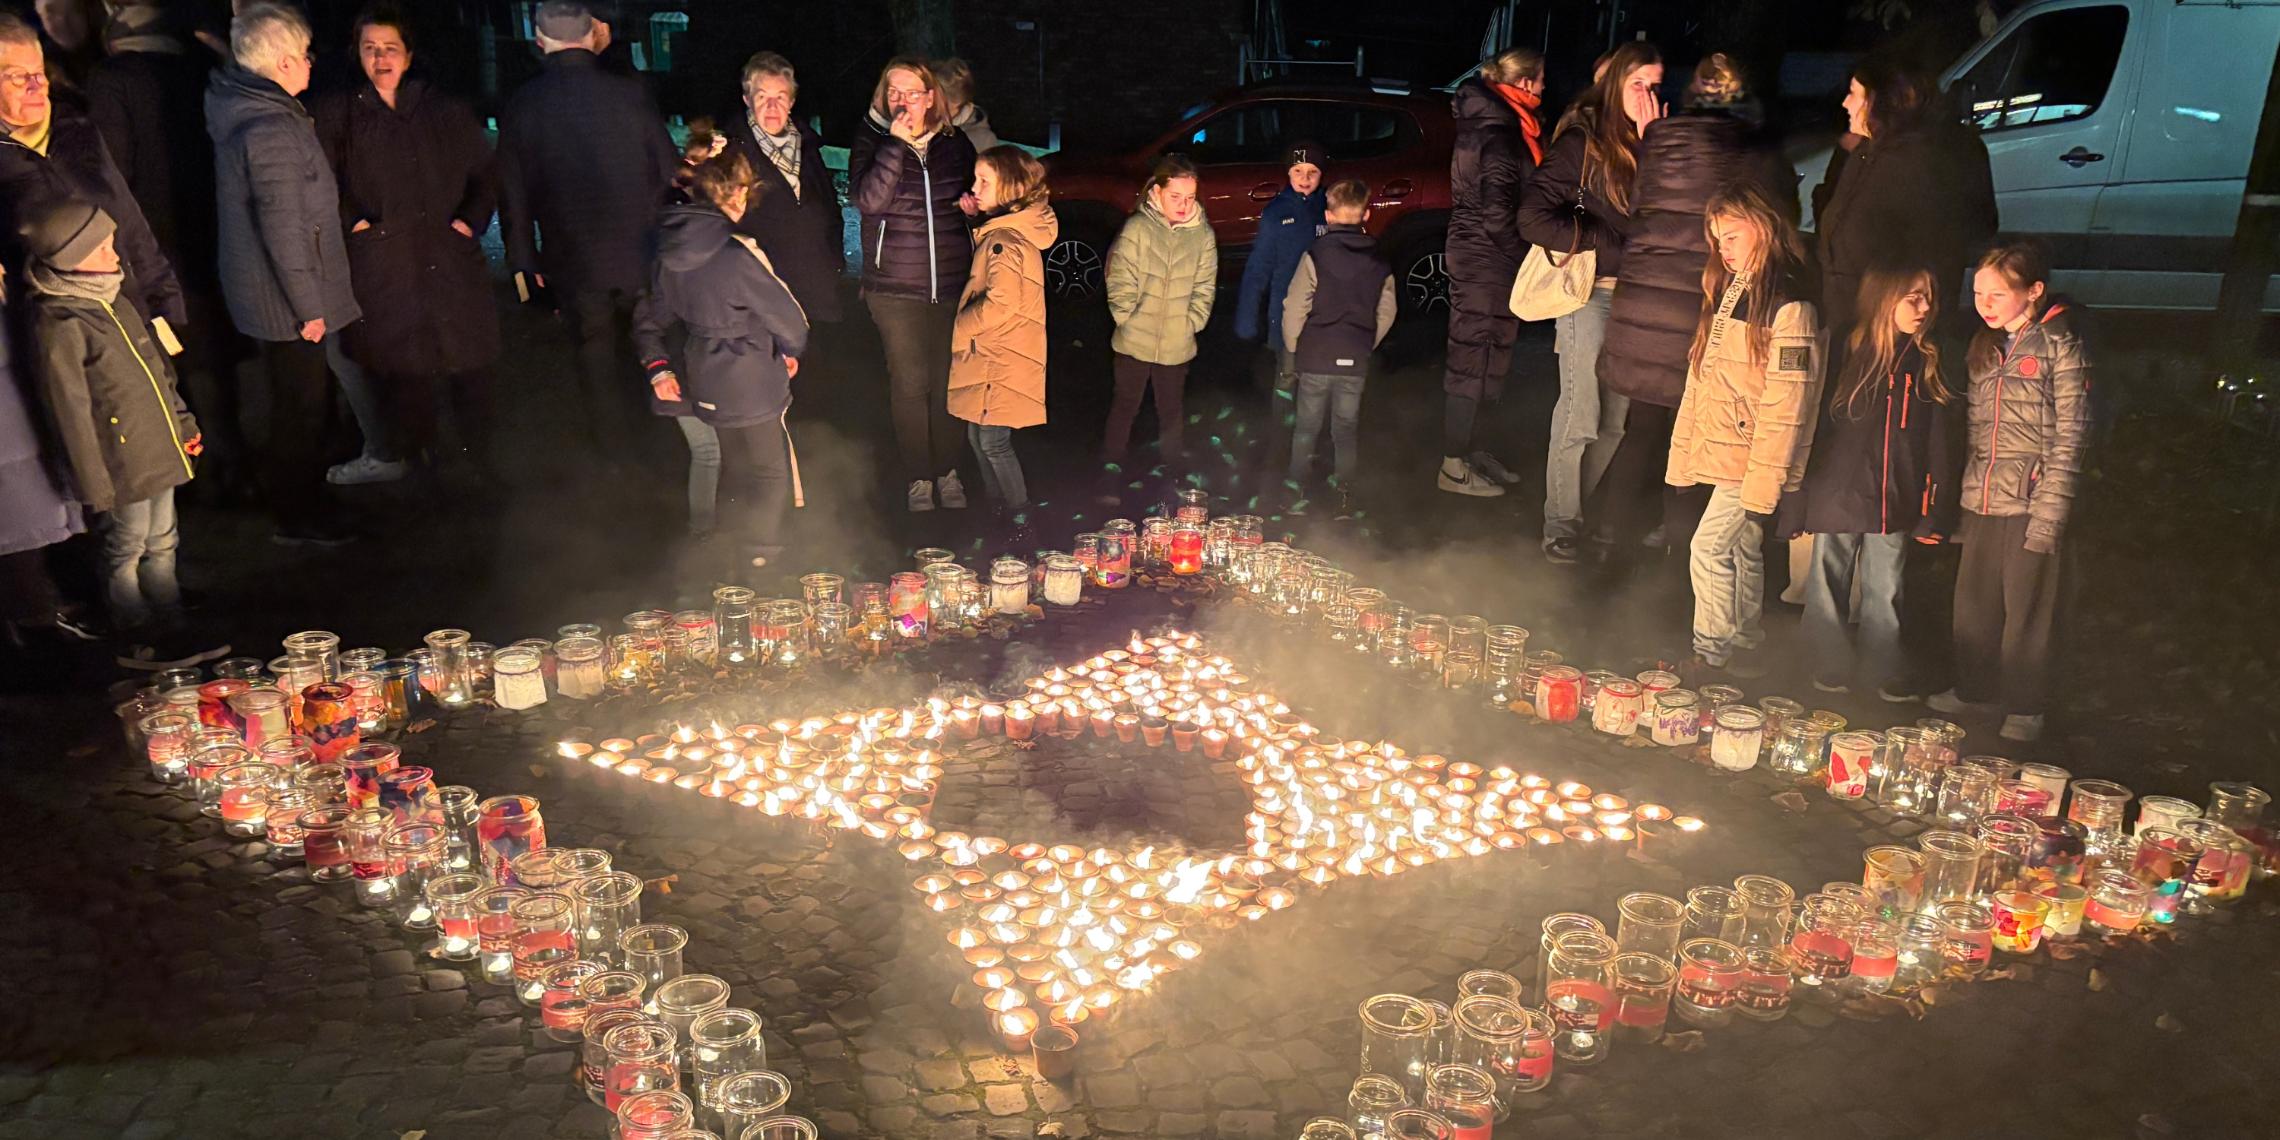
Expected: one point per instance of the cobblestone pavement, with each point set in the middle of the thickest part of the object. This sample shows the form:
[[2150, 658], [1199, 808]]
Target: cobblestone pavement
[[163, 980]]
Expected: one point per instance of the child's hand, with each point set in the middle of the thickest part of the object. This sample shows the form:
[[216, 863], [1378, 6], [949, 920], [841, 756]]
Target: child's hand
[[667, 386], [195, 445]]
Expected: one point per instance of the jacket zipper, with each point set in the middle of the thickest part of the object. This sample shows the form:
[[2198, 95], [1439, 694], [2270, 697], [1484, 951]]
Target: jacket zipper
[[155, 390], [1884, 479], [933, 270], [879, 253], [1994, 432]]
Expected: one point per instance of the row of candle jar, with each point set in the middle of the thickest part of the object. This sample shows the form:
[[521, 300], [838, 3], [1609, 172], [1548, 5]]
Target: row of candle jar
[[1111, 555]]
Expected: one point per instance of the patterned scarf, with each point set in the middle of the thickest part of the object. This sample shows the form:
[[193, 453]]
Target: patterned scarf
[[783, 150]]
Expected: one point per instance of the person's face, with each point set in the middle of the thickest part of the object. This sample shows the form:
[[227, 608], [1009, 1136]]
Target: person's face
[[385, 58], [1739, 247], [293, 71], [769, 99], [735, 202], [1639, 92], [1913, 309], [987, 189], [1533, 84], [23, 85], [1856, 108], [64, 21], [1175, 199], [2002, 304], [907, 92], [1305, 177], [104, 259]]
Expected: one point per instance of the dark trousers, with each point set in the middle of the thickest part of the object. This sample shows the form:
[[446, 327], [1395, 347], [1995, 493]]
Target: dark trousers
[[916, 336], [211, 349], [1133, 380], [1282, 410], [2006, 615], [756, 484], [1337, 399], [300, 404], [415, 403], [1458, 415], [1633, 498], [610, 392], [27, 593]]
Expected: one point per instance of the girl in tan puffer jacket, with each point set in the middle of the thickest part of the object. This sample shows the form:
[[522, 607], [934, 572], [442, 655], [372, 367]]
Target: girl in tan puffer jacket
[[1746, 421], [997, 343]]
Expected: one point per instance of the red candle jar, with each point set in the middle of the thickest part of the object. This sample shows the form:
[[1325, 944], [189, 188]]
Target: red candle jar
[[1559, 694], [1187, 549]]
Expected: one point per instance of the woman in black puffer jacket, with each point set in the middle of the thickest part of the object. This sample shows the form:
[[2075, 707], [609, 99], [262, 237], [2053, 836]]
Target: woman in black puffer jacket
[[910, 174], [1686, 158]]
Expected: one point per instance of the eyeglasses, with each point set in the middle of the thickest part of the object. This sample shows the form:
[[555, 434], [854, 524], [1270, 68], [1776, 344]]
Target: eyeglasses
[[17, 79]]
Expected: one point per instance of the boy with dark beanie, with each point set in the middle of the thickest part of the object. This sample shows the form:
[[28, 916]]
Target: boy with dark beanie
[[125, 433], [1340, 305]]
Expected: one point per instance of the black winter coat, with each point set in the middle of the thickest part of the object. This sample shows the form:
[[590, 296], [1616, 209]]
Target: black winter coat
[[802, 234], [1685, 160], [740, 319], [278, 211], [78, 165], [1488, 166], [151, 108], [1889, 463], [1923, 198], [406, 173], [915, 238], [584, 164], [1548, 213]]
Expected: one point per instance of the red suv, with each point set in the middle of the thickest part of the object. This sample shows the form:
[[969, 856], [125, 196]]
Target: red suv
[[1398, 143]]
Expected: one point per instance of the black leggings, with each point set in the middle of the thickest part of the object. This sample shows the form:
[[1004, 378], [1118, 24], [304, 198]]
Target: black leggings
[[300, 403], [1632, 495], [756, 484], [916, 336]]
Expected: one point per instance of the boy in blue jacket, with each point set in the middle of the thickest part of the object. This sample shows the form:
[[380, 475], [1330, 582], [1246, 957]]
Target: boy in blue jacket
[[1288, 225]]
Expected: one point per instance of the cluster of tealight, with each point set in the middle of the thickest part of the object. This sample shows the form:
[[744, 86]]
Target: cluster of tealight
[[661, 1050], [1056, 933]]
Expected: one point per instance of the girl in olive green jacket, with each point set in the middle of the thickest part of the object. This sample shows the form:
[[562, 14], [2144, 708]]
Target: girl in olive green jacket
[[1162, 272]]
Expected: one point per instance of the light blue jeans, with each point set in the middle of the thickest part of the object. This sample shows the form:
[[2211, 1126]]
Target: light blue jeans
[[363, 400], [1829, 584], [704, 473], [1727, 566], [1002, 479], [1587, 423], [139, 544]]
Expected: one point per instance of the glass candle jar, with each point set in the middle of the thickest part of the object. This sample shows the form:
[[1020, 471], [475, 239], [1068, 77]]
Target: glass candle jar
[[1951, 866], [1642, 985], [2097, 805], [2116, 903], [1712, 912], [1460, 669], [451, 897], [495, 932], [407, 792], [1187, 548], [241, 799], [1064, 580], [656, 1115], [1737, 733], [363, 766], [1554, 927], [2164, 860], [1766, 903], [2164, 811], [2065, 901], [1678, 718], [1512, 1044], [1559, 694], [2019, 917], [454, 684], [581, 674], [1821, 945], [1373, 1099], [1156, 542], [324, 843], [1397, 1040], [723, 1042], [562, 998], [1649, 923], [262, 715], [2239, 806], [328, 719], [517, 681], [679, 1002], [2020, 798], [639, 1058], [1876, 954], [1112, 566], [735, 609], [1709, 982], [282, 822], [1894, 879], [1768, 979], [1921, 956], [1009, 586], [505, 827], [166, 745], [1615, 710], [1464, 1095], [1581, 1004], [415, 852], [2005, 843], [545, 935], [1797, 749], [1851, 757], [613, 989], [1324, 1127], [1966, 792], [742, 1100], [1969, 933], [653, 950], [608, 904]]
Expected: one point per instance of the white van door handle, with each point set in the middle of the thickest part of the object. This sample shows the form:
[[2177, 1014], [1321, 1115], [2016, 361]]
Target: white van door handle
[[2080, 157]]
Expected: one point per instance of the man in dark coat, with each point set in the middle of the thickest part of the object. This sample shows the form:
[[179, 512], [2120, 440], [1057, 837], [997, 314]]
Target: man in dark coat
[[52, 153], [795, 216], [584, 164], [284, 267], [416, 188], [1494, 153]]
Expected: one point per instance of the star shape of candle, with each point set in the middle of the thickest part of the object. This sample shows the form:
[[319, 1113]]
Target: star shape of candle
[[1059, 931]]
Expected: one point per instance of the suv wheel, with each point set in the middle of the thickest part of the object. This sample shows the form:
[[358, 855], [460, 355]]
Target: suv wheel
[[1424, 281], [1073, 268]]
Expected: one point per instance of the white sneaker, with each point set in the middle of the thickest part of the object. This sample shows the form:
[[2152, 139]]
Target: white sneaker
[[921, 495], [953, 492], [1948, 702], [1466, 481], [1488, 467], [365, 469], [2024, 729]]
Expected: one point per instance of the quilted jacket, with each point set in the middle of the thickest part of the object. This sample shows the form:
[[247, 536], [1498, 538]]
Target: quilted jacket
[[2030, 423], [1161, 278], [997, 343], [1750, 423]]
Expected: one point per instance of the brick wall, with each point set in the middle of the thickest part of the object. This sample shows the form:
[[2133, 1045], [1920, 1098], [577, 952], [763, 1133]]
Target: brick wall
[[1116, 72]]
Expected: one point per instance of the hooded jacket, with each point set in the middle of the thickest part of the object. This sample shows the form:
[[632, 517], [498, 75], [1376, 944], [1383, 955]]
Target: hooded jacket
[[740, 319], [1921, 197], [974, 123], [915, 238], [1887, 464], [78, 165], [1746, 422], [584, 163], [1684, 161], [1287, 226], [997, 344], [282, 260], [1161, 278], [802, 233], [111, 397], [2030, 424], [1488, 167]]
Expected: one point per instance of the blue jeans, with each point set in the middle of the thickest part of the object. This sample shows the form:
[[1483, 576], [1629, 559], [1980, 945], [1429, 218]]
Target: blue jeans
[[704, 472], [1727, 567], [1340, 398], [139, 544], [1001, 468], [1829, 585], [1587, 422]]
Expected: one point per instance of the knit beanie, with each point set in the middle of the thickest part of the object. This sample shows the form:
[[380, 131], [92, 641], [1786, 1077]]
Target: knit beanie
[[63, 234], [1307, 152]]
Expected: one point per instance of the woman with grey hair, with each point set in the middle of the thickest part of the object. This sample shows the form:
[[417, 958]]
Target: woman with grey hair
[[795, 213]]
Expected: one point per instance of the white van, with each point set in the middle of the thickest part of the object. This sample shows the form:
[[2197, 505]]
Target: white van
[[2119, 134]]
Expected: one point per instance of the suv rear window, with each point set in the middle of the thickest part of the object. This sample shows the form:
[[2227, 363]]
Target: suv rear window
[[2053, 68], [1258, 132]]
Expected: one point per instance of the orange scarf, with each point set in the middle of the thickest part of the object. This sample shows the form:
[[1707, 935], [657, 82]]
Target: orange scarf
[[1523, 103]]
